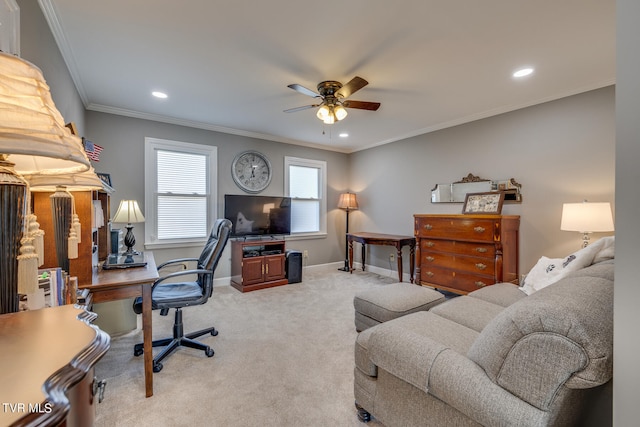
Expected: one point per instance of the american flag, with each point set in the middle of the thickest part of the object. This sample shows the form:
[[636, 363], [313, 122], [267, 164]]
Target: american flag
[[92, 150]]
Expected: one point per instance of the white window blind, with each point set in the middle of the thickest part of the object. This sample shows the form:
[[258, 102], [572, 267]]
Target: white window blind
[[181, 195], [180, 191], [305, 181]]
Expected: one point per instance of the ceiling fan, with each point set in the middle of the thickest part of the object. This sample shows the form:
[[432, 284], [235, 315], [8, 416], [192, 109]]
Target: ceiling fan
[[334, 101]]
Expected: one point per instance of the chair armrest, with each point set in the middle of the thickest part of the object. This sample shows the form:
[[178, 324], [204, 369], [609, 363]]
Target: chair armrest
[[178, 274], [176, 261]]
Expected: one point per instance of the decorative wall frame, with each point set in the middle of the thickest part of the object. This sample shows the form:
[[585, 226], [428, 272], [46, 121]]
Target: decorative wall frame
[[483, 203], [456, 192]]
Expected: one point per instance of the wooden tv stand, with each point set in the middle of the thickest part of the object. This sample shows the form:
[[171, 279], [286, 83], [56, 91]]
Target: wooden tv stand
[[257, 264]]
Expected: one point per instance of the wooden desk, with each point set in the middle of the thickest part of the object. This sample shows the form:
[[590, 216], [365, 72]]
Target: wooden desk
[[111, 285], [46, 366], [398, 242]]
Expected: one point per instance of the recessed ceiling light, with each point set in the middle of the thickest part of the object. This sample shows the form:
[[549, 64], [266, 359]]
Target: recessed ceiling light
[[343, 135], [160, 95], [523, 72]]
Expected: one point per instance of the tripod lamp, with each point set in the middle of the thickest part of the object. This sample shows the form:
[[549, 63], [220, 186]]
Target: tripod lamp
[[347, 202]]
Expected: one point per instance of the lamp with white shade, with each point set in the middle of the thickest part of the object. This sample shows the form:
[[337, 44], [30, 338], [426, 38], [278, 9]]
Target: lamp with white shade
[[587, 218], [129, 212], [33, 140]]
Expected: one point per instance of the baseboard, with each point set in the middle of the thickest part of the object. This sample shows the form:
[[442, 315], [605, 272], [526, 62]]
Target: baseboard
[[226, 281]]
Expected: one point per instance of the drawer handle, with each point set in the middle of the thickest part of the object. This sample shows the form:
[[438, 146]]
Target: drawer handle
[[481, 250], [428, 226], [430, 244], [481, 266], [430, 274], [430, 258], [480, 284], [479, 229]]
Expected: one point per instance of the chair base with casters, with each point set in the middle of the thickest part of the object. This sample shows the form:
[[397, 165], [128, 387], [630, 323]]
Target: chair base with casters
[[170, 292], [179, 340]]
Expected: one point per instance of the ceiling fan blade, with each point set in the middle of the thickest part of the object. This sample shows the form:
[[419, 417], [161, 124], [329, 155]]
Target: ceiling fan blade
[[306, 107], [362, 105], [352, 87], [303, 90]]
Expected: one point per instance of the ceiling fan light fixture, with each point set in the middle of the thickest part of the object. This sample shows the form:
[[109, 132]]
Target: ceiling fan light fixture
[[330, 119], [340, 112], [323, 113]]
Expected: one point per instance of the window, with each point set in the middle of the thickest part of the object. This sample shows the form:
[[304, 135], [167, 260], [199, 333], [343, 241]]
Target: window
[[305, 183], [180, 192]]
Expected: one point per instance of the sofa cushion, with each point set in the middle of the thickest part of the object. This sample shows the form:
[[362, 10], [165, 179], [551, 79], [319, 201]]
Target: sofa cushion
[[503, 294], [473, 313], [407, 346], [560, 335], [391, 301]]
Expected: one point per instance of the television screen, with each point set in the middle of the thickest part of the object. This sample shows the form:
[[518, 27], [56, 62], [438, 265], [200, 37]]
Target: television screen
[[258, 215]]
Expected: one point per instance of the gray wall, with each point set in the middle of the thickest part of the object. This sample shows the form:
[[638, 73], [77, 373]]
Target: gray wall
[[123, 158], [38, 46], [560, 151], [626, 376]]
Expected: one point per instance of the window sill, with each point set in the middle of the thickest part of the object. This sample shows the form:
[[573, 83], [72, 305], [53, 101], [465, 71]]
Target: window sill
[[306, 236], [171, 245]]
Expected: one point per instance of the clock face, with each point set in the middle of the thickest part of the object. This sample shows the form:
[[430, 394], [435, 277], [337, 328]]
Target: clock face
[[251, 170]]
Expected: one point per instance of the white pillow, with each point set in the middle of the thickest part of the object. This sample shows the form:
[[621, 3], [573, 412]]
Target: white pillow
[[550, 270]]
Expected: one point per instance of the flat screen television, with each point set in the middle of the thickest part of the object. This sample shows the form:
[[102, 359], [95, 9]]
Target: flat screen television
[[258, 215]]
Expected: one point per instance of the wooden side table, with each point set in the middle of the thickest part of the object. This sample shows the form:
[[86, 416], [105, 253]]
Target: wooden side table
[[365, 238]]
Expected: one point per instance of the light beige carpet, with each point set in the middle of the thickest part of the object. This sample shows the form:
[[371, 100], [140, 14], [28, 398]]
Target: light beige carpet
[[283, 357]]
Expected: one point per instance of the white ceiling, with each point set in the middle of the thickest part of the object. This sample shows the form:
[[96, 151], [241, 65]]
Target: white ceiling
[[432, 64]]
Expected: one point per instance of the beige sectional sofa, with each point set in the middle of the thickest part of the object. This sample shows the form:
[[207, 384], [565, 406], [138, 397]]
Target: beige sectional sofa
[[494, 357]]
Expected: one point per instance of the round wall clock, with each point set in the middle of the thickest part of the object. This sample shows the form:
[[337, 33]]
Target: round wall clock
[[251, 170]]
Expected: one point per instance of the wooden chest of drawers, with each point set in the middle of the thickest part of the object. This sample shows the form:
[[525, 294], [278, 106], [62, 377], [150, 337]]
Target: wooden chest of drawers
[[462, 253]]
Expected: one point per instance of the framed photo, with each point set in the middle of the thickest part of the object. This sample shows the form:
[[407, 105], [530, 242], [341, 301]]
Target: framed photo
[[105, 177], [483, 203]]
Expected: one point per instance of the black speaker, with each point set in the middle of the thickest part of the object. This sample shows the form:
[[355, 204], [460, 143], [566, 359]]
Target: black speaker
[[293, 266]]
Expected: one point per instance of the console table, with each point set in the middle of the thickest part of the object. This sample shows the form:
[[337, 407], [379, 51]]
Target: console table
[[112, 285], [365, 238], [46, 366]]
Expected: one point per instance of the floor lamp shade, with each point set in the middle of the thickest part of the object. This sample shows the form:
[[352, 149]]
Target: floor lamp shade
[[347, 202], [33, 140]]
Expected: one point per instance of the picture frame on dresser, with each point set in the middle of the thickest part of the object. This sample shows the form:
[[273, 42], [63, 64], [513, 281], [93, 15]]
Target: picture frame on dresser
[[483, 203]]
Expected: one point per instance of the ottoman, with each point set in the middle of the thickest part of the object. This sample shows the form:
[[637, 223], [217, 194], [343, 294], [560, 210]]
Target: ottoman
[[382, 304]]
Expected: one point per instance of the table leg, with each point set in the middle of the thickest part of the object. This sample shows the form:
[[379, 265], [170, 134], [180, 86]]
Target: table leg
[[350, 256], [399, 263], [147, 339], [412, 261], [363, 255]]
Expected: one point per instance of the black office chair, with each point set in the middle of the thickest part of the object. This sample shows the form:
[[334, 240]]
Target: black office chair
[[168, 295]]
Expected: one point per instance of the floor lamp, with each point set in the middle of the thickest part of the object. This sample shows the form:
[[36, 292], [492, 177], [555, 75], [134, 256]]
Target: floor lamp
[[33, 139], [347, 202]]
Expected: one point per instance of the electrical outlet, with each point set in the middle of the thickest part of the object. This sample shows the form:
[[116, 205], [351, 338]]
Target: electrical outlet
[[392, 257], [305, 254]]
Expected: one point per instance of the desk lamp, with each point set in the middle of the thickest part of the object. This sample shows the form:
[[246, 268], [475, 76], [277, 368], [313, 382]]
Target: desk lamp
[[129, 212], [347, 202], [66, 223]]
